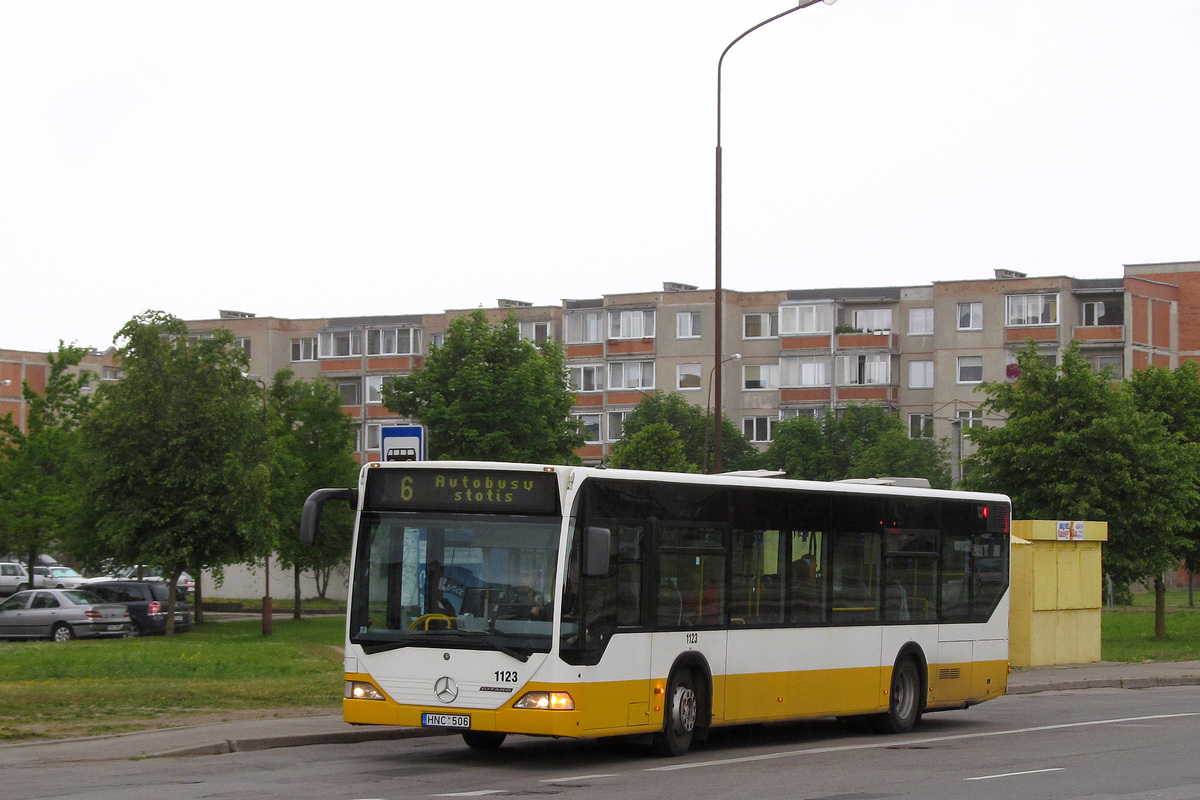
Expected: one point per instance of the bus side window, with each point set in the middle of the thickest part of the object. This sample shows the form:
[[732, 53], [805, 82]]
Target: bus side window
[[756, 591], [806, 596], [854, 557]]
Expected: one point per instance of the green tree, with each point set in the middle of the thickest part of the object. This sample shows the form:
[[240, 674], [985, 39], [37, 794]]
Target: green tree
[[1176, 395], [863, 442], [1077, 446], [176, 457], [657, 446], [313, 448], [487, 394], [895, 454], [38, 469], [690, 421]]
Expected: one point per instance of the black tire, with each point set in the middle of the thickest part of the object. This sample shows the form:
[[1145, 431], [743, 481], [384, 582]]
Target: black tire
[[483, 740], [22, 587], [61, 633], [904, 704], [680, 712], [134, 632]]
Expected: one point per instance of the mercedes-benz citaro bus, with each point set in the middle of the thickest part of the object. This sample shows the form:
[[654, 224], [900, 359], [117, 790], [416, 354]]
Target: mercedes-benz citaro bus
[[494, 598]]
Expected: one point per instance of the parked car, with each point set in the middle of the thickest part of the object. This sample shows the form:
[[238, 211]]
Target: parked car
[[57, 577], [147, 604], [60, 615], [13, 577], [185, 584]]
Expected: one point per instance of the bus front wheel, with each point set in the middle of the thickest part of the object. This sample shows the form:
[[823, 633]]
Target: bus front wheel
[[904, 704], [483, 740], [679, 717]]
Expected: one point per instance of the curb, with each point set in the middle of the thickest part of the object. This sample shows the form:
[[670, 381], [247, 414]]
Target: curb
[[372, 734], [1104, 683]]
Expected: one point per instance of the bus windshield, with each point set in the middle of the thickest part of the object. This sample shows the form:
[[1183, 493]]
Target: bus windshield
[[475, 581]]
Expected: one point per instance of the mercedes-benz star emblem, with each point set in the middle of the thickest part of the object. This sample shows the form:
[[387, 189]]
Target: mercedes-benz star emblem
[[446, 689]]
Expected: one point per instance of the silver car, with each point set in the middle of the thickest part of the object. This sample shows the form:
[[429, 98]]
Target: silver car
[[61, 615], [56, 578]]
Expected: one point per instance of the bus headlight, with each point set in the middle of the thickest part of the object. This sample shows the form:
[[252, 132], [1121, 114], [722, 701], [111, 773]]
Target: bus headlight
[[552, 701], [359, 690]]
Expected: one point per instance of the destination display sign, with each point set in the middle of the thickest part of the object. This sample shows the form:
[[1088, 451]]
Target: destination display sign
[[477, 491]]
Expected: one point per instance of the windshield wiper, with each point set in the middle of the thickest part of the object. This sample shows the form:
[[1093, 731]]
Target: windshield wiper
[[370, 646]]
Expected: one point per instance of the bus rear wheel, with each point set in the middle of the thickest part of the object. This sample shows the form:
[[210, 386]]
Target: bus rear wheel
[[904, 705], [483, 740], [679, 717]]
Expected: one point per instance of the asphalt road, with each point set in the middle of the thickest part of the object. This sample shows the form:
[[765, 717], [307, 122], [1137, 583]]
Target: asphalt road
[[1098, 744]]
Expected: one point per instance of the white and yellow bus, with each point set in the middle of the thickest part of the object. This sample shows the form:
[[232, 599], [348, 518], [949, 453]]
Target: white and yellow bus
[[584, 602]]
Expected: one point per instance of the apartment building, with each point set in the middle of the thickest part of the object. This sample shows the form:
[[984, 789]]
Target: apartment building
[[918, 351], [18, 367]]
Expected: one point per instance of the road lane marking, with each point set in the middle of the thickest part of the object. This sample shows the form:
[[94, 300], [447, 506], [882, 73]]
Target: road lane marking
[[582, 777], [1014, 774], [909, 742]]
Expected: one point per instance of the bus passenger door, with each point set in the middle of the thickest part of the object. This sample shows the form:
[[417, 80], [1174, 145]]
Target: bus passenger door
[[691, 609]]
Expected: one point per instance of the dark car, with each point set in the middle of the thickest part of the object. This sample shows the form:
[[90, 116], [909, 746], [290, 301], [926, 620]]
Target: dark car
[[147, 604]]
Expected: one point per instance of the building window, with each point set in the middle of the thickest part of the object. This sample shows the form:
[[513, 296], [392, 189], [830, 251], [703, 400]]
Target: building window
[[972, 418], [589, 425], [688, 376], [872, 319], [110, 374], [583, 327], [587, 378], [1103, 312], [373, 430], [351, 392], [631, 375], [920, 426], [616, 424], [393, 341], [920, 374], [1115, 363], [536, 332], [374, 387], [920, 321], [243, 343], [865, 369], [437, 339], [808, 413], [339, 344], [1032, 309], [635, 324], [304, 349], [806, 319], [760, 326], [760, 376], [687, 325], [804, 371], [970, 316], [758, 429], [970, 369]]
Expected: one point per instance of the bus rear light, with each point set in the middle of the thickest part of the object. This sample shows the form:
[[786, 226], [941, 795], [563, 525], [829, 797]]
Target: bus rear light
[[360, 690], [550, 701]]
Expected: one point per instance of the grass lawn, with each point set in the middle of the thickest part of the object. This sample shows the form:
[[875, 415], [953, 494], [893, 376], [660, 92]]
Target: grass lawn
[[1127, 632], [218, 670]]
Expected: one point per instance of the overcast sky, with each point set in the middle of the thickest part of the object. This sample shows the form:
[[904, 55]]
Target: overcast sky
[[339, 159]]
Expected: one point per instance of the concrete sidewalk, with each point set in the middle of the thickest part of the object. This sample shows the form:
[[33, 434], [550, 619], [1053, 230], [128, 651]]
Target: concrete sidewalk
[[263, 734]]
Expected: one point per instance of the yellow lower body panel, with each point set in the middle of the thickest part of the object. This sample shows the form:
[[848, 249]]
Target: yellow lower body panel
[[628, 707]]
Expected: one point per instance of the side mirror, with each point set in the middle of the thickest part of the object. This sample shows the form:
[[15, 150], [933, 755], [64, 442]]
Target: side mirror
[[314, 507], [597, 544]]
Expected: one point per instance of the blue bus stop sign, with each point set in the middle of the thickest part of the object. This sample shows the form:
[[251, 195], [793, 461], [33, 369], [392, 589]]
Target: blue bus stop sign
[[403, 443]]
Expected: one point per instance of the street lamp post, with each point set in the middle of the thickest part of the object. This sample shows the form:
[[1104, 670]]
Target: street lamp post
[[708, 413], [718, 292]]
